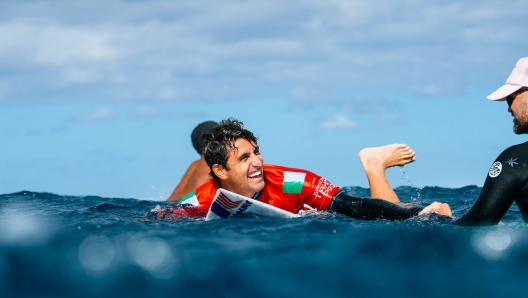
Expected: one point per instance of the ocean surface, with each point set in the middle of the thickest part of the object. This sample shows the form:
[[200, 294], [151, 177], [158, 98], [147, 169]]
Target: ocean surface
[[72, 246]]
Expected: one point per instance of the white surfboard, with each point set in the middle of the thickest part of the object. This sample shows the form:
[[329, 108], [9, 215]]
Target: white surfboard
[[226, 204]]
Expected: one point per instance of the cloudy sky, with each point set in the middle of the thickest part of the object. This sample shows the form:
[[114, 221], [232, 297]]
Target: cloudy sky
[[100, 97]]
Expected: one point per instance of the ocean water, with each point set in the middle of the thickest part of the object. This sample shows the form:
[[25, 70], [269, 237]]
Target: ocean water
[[70, 246]]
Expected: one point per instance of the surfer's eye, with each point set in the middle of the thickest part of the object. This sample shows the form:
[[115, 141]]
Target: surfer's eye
[[244, 157]]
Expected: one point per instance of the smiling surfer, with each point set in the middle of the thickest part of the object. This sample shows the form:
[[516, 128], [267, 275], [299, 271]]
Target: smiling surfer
[[235, 162]]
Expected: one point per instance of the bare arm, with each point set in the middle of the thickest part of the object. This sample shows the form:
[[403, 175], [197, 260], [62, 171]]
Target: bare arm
[[178, 192], [370, 209], [196, 175]]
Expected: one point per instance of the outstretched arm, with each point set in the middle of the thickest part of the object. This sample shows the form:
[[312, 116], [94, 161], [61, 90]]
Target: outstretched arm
[[370, 209]]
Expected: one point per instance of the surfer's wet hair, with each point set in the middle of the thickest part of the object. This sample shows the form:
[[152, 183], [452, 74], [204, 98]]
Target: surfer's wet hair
[[219, 140]]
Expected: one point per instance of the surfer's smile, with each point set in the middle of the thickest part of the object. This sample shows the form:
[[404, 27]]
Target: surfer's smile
[[255, 175]]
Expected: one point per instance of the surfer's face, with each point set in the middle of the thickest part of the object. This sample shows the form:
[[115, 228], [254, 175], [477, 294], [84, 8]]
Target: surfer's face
[[245, 175], [519, 111]]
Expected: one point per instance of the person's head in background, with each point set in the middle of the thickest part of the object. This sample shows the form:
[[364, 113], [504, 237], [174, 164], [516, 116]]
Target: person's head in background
[[197, 132]]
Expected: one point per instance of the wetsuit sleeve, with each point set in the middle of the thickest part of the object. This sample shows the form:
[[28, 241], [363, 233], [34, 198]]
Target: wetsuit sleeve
[[370, 209], [504, 184]]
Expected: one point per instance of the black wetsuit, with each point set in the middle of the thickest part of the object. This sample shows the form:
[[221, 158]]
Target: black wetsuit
[[370, 209], [507, 181]]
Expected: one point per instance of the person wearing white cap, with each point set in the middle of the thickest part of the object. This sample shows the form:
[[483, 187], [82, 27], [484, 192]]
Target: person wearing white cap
[[507, 179]]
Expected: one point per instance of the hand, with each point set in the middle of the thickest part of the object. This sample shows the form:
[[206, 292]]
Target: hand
[[436, 207]]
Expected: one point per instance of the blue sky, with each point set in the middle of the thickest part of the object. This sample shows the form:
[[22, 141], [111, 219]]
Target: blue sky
[[100, 97]]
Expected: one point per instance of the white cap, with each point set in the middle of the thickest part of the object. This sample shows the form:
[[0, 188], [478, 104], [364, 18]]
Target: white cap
[[517, 79]]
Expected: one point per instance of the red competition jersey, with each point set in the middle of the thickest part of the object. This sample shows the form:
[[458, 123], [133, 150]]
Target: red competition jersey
[[286, 188]]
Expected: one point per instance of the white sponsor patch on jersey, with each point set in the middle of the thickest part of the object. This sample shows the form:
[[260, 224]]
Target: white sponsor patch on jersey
[[495, 170]]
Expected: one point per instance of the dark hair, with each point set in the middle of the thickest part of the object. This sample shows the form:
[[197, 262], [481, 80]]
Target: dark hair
[[197, 132], [218, 140]]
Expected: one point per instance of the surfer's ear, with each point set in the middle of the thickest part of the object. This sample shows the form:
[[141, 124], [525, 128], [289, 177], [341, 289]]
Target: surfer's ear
[[219, 171]]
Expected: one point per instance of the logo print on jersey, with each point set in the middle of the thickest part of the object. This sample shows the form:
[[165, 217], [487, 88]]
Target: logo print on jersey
[[495, 169], [225, 202], [293, 182], [323, 188], [511, 161]]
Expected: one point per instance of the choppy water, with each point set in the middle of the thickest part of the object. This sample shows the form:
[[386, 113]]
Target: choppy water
[[65, 246]]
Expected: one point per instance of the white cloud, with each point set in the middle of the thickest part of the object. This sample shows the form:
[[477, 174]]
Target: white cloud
[[339, 122], [101, 114], [59, 45], [144, 113], [48, 44], [203, 50], [258, 48], [172, 93], [303, 94]]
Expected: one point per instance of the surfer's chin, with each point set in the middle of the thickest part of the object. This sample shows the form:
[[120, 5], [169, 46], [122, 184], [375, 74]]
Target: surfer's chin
[[258, 185]]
